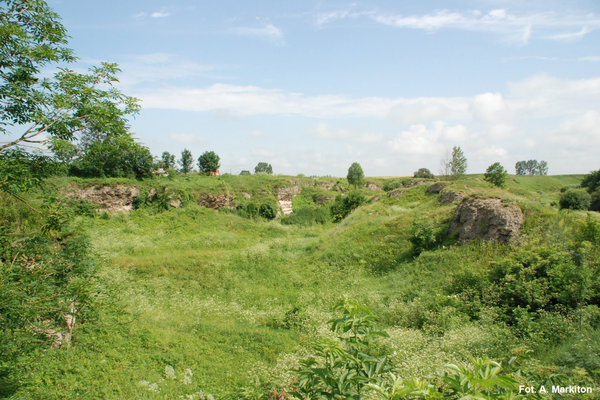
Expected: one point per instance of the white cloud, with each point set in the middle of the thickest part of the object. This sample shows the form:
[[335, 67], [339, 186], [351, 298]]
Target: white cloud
[[262, 153], [267, 31], [423, 140], [324, 131], [160, 14], [512, 27], [187, 139]]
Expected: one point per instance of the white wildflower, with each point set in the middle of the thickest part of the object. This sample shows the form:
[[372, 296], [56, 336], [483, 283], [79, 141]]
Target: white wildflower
[[153, 387], [170, 372], [187, 380]]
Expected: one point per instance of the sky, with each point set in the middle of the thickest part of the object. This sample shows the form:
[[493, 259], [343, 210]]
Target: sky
[[312, 86]]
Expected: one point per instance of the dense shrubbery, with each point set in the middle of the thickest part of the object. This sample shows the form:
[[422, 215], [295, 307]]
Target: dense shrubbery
[[575, 199], [343, 205], [423, 173], [307, 216], [425, 234]]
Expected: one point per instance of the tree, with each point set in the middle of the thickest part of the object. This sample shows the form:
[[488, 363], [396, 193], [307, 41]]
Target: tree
[[208, 162], [496, 174], [531, 166], [167, 160], [542, 168], [423, 173], [263, 167], [245, 172], [186, 161], [355, 175], [591, 181], [575, 199], [521, 168], [458, 163]]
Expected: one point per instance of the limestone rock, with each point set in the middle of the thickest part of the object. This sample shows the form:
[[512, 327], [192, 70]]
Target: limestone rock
[[216, 202], [112, 199], [435, 188], [372, 186], [449, 196], [395, 193], [285, 197], [486, 219]]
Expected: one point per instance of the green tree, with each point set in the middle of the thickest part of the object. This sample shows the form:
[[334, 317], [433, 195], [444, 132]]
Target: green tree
[[575, 199], [355, 175], [458, 162], [423, 173], [186, 161], [542, 168], [521, 168], [167, 160], [245, 172], [208, 162], [591, 181], [263, 167], [496, 174]]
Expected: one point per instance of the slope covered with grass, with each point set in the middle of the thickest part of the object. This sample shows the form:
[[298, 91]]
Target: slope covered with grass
[[240, 301]]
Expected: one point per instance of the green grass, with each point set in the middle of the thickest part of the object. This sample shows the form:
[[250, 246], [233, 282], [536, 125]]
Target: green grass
[[238, 301]]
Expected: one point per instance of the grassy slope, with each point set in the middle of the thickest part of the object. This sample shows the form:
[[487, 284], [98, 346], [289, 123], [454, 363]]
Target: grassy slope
[[235, 299]]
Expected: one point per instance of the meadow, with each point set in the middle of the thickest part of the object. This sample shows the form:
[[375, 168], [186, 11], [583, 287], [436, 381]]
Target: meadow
[[195, 302]]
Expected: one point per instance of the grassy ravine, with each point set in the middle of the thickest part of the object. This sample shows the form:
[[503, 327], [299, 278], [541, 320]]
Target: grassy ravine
[[240, 301]]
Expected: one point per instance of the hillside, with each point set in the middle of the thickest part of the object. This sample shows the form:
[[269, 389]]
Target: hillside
[[188, 279]]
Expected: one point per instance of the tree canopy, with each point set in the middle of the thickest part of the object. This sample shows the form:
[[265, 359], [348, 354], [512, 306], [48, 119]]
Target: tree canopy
[[458, 163], [186, 161], [263, 167], [355, 175], [208, 162], [496, 174]]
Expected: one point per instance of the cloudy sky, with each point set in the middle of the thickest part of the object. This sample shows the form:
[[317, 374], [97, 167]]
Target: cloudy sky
[[312, 86]]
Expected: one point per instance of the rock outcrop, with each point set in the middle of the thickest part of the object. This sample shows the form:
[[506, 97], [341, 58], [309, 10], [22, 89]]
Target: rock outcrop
[[486, 219], [435, 188], [285, 197], [112, 199], [216, 202], [374, 187], [448, 196]]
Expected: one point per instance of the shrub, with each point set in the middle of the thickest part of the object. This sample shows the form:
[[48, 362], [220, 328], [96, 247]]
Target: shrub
[[307, 216], [208, 162], [423, 236], [496, 174], [591, 181], [423, 173], [267, 211], [245, 172], [575, 199], [344, 205], [595, 201]]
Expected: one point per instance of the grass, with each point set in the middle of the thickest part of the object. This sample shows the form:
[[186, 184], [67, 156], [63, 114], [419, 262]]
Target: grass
[[238, 301]]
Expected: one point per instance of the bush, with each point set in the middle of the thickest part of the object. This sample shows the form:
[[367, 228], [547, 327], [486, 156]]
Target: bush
[[344, 205], [496, 174], [307, 216], [591, 181], [575, 199], [423, 173], [423, 236], [595, 201], [267, 211]]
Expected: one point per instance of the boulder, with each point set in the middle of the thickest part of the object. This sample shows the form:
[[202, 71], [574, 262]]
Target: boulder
[[395, 193], [285, 197], [448, 196], [216, 202], [435, 188], [372, 186], [486, 219]]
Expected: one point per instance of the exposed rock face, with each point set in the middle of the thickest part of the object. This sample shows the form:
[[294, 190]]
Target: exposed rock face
[[373, 186], [449, 196], [395, 193], [435, 188], [216, 202], [285, 197], [486, 219], [326, 186], [112, 199], [321, 199], [175, 203]]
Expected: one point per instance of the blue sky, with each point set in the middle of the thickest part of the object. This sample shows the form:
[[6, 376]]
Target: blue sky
[[311, 87]]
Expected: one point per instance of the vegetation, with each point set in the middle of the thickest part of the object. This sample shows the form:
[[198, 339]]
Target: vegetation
[[208, 162], [531, 167], [186, 162], [575, 199], [496, 174], [458, 162], [263, 168], [423, 173], [355, 175], [167, 161]]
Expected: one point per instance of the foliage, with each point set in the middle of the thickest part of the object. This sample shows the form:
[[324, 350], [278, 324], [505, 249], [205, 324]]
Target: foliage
[[591, 181], [307, 216], [496, 174], [344, 368], [344, 205], [595, 200], [424, 235], [267, 211], [186, 162], [167, 161], [208, 162], [531, 167], [458, 162], [355, 175], [115, 156], [575, 199], [21, 171], [245, 172], [423, 173], [264, 168]]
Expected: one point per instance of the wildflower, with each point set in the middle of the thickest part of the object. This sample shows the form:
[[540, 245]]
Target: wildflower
[[170, 372]]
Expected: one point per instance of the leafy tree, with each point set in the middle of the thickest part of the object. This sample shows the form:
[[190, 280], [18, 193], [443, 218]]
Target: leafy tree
[[355, 175], [531, 166], [208, 162], [167, 160], [423, 173], [267, 211], [521, 168], [591, 181], [542, 168], [115, 156], [186, 161], [245, 172], [64, 150], [575, 199], [496, 174], [458, 163], [263, 167]]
